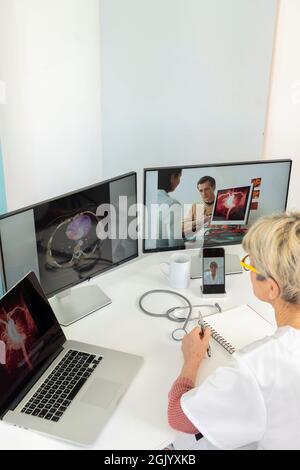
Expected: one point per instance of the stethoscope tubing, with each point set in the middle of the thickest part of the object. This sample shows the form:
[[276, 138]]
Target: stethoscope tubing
[[170, 313]]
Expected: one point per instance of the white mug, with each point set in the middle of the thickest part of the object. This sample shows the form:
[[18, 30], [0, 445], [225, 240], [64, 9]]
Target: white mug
[[179, 272]]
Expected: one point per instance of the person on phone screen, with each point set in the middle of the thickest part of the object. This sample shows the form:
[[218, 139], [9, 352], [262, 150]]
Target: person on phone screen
[[214, 276]]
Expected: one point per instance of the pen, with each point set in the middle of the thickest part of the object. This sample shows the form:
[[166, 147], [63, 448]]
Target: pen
[[201, 324]]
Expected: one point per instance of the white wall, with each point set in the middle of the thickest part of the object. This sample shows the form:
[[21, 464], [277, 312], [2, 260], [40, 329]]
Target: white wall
[[283, 131], [51, 124], [184, 82]]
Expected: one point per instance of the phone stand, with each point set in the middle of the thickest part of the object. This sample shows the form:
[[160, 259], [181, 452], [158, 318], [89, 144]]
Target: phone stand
[[213, 296]]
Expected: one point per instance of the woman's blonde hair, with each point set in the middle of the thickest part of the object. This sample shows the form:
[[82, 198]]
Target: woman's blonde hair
[[273, 244]]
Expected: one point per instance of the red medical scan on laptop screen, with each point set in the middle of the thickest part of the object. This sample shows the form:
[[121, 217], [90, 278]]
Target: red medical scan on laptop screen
[[19, 333], [29, 333]]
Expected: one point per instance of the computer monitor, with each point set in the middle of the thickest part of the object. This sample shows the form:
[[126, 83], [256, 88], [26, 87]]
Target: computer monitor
[[210, 205], [232, 206], [69, 240]]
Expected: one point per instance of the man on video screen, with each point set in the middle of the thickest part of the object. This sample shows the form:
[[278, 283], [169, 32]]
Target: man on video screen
[[201, 212]]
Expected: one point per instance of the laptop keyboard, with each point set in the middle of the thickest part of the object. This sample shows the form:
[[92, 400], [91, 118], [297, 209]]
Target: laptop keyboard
[[56, 394]]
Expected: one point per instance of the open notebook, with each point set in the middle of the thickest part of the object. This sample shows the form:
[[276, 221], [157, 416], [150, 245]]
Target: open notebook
[[232, 330], [238, 328]]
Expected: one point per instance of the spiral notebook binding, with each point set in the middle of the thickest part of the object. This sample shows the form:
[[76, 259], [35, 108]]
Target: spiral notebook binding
[[219, 339]]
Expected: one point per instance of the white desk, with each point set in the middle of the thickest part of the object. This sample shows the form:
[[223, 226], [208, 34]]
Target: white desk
[[140, 421]]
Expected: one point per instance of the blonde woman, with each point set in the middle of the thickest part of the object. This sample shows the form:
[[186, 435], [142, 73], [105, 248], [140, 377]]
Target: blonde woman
[[256, 400]]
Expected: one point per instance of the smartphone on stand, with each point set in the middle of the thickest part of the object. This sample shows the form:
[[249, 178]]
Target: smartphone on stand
[[213, 271]]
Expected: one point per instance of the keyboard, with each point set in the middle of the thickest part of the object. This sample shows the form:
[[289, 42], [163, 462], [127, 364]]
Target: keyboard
[[56, 394]]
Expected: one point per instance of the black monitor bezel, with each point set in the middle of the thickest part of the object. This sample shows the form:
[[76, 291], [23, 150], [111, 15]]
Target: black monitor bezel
[[210, 165], [72, 193]]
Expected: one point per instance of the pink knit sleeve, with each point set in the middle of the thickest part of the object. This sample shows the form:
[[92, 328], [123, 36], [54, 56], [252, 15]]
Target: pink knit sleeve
[[176, 417]]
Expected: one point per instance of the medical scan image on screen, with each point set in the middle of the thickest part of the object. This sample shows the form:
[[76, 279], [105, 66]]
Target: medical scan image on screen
[[67, 243], [211, 205], [30, 332], [214, 271], [17, 331], [232, 206], [67, 240]]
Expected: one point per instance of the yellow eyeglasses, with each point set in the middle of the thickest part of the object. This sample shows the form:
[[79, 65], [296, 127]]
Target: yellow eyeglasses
[[247, 266]]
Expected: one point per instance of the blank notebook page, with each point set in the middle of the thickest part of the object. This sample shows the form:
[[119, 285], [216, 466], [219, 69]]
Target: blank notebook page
[[241, 326]]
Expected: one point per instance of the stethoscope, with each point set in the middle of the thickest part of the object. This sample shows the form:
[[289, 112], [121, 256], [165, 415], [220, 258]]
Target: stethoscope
[[179, 333]]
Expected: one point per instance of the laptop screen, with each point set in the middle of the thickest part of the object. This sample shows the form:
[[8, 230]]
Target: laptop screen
[[29, 335]]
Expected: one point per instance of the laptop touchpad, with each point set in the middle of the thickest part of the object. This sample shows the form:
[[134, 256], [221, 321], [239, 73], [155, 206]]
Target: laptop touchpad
[[101, 393]]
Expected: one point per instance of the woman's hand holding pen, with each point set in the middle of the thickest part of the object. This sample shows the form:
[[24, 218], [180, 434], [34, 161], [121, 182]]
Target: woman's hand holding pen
[[194, 347]]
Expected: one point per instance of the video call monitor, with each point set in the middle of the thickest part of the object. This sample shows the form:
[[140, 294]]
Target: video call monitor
[[61, 240], [210, 205]]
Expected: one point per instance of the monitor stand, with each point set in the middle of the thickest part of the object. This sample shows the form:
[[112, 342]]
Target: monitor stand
[[74, 304], [232, 265]]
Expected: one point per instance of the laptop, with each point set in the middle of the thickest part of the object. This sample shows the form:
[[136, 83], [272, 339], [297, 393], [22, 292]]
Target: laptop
[[60, 388]]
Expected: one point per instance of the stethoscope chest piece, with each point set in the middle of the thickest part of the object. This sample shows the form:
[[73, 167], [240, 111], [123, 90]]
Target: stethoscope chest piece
[[179, 333]]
